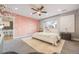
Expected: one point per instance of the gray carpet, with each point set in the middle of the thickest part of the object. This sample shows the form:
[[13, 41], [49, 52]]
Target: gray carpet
[[18, 46], [70, 47]]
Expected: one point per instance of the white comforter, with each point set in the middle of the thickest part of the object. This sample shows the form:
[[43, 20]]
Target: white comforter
[[48, 37]]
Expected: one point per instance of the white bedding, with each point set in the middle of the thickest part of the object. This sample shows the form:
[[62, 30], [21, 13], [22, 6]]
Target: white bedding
[[48, 37]]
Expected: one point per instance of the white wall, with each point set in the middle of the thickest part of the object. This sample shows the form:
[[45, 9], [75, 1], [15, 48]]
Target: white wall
[[67, 23], [63, 22]]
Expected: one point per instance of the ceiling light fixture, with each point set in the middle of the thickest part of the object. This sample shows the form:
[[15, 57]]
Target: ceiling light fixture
[[61, 10], [16, 8]]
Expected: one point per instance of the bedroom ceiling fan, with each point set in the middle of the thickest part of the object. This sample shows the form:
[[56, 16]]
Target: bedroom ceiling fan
[[4, 10], [39, 11]]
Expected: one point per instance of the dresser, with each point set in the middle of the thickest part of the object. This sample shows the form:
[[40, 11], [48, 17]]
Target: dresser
[[66, 36]]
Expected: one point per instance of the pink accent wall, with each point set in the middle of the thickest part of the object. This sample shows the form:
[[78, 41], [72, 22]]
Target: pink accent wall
[[25, 25]]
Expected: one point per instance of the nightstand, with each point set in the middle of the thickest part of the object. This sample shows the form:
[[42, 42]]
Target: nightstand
[[66, 36]]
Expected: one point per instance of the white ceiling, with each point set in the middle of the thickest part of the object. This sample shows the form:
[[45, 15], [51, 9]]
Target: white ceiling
[[52, 9]]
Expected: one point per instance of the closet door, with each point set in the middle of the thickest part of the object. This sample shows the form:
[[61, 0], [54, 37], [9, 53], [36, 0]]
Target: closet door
[[67, 23]]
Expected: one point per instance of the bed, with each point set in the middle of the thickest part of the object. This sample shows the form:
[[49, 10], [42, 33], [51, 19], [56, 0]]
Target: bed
[[49, 37]]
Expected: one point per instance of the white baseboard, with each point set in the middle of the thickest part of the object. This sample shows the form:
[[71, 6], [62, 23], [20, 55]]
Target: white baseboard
[[25, 36], [76, 39]]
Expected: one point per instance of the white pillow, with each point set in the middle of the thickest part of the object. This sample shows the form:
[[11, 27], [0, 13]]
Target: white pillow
[[52, 30]]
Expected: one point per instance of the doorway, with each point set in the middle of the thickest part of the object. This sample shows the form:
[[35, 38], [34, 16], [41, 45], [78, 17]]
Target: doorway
[[6, 31]]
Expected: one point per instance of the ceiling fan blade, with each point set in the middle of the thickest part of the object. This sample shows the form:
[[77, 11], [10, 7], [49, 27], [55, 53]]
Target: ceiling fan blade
[[34, 9], [43, 11], [41, 7], [34, 13]]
